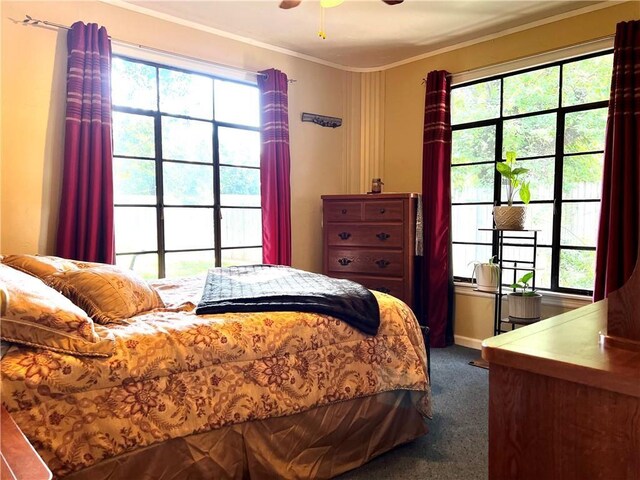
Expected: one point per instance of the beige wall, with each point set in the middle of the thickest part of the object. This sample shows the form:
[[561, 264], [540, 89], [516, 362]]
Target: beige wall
[[404, 117], [323, 160], [33, 89]]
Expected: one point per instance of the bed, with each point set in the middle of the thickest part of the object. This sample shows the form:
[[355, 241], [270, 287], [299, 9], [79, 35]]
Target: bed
[[233, 395]]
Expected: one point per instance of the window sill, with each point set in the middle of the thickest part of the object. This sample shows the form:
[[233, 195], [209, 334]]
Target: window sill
[[554, 299]]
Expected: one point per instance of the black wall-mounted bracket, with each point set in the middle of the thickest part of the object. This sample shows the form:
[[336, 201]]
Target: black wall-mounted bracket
[[321, 120]]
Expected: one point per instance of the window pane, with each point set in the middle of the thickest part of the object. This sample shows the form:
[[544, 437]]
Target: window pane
[[241, 256], [133, 135], [543, 264], [188, 140], [473, 145], [582, 177], [472, 183], [239, 147], [530, 136], [187, 184], [475, 102], [241, 227], [135, 229], [464, 255], [239, 187], [577, 269], [237, 103], [467, 219], [145, 265], [134, 181], [541, 175], [585, 131], [579, 224], [133, 84], [531, 91], [587, 80], [540, 217], [186, 228], [185, 264], [186, 94]]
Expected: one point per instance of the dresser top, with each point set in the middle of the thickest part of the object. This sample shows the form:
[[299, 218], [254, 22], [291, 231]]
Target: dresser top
[[568, 347], [370, 196]]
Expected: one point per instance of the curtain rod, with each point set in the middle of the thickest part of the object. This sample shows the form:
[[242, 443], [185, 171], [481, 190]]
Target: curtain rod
[[33, 22]]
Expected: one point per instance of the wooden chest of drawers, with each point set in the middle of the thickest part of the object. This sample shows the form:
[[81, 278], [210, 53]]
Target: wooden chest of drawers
[[370, 239]]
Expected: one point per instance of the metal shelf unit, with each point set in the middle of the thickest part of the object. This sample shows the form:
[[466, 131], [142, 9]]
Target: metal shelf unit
[[526, 239]]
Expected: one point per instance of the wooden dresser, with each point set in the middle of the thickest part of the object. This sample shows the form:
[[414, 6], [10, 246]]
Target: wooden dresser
[[561, 404], [370, 239]]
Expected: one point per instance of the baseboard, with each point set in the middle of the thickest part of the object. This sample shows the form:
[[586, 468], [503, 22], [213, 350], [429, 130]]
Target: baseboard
[[468, 342]]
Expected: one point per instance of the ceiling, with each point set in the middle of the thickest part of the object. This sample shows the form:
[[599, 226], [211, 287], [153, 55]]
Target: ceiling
[[361, 34]]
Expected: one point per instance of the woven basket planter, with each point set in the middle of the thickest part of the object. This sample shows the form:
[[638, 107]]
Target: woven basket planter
[[509, 218], [526, 307]]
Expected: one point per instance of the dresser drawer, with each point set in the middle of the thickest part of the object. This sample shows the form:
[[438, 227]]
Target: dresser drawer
[[381, 211], [365, 235], [377, 262], [392, 286], [342, 211]]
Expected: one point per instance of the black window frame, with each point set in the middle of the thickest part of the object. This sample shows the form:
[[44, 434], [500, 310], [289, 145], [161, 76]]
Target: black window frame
[[558, 156], [216, 205]]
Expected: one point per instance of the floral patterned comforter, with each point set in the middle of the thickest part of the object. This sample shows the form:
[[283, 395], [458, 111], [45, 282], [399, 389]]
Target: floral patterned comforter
[[175, 373]]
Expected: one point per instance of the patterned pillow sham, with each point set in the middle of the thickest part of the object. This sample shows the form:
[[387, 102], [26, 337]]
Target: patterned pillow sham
[[39, 266], [107, 293], [35, 315]]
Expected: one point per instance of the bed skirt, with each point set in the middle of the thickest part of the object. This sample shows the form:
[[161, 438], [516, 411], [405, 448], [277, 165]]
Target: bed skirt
[[319, 443]]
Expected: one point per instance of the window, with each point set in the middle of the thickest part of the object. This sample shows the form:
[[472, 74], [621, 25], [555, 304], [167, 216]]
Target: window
[[186, 170], [554, 118]]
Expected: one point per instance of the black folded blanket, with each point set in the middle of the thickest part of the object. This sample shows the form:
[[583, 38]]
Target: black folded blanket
[[271, 288]]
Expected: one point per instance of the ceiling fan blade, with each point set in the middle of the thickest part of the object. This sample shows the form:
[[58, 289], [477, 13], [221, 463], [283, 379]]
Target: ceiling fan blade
[[287, 4], [392, 2]]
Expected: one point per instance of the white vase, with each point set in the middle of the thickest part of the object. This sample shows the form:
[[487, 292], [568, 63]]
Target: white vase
[[487, 276], [525, 306]]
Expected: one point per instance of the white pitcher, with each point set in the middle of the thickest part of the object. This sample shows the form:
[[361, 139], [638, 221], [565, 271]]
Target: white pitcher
[[486, 276]]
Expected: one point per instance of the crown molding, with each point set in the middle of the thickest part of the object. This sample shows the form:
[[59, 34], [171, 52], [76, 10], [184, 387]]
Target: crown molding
[[256, 43]]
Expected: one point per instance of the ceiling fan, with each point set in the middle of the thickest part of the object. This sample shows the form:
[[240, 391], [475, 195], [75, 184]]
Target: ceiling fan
[[287, 4]]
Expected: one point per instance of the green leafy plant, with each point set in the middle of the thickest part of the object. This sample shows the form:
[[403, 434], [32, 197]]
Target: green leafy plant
[[522, 284], [515, 183]]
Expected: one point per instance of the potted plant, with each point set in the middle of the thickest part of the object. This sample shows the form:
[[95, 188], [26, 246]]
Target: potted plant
[[487, 275], [511, 217], [526, 303]]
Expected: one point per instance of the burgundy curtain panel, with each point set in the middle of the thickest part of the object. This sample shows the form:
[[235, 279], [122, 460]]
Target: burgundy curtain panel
[[275, 167], [437, 294], [617, 248], [85, 224]]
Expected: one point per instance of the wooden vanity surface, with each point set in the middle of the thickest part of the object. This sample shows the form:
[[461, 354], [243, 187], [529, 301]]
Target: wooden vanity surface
[[18, 459], [568, 347], [561, 405]]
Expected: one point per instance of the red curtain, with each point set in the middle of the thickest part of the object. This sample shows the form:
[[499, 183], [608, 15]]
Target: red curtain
[[85, 225], [275, 166], [617, 249], [437, 294]]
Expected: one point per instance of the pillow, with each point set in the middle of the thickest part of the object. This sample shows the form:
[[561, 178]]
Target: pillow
[[39, 266], [36, 315], [107, 293]]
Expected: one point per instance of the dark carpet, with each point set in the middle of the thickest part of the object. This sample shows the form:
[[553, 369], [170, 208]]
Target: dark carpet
[[456, 446]]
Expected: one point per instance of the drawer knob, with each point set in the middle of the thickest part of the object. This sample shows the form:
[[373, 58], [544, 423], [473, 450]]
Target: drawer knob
[[343, 211], [384, 290], [344, 261], [383, 236], [382, 210], [344, 235], [382, 263]]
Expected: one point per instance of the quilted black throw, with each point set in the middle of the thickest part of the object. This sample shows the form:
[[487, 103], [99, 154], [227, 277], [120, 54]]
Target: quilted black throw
[[271, 288]]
